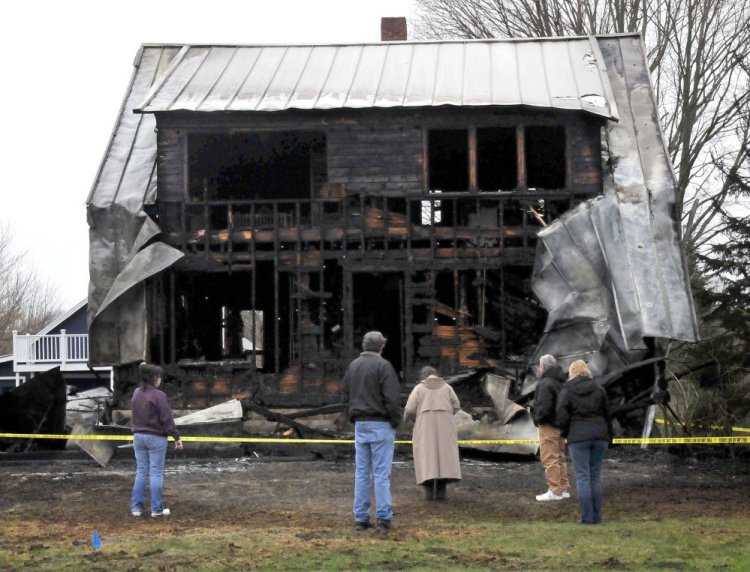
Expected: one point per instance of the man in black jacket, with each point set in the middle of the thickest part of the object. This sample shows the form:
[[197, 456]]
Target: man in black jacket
[[373, 396], [551, 442]]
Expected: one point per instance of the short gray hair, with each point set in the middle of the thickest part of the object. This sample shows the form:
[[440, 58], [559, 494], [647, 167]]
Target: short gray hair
[[373, 342], [427, 371], [547, 360]]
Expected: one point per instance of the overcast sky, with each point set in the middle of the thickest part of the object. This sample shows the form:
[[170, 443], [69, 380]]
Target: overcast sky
[[66, 65]]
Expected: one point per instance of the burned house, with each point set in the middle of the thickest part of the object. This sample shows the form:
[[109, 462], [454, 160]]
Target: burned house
[[480, 202]]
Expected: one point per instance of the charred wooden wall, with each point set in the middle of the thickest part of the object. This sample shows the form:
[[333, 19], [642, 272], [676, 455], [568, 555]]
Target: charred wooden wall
[[376, 158], [376, 153], [373, 151]]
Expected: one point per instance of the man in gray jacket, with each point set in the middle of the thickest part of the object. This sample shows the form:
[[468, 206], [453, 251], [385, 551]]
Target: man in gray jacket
[[373, 395], [551, 442]]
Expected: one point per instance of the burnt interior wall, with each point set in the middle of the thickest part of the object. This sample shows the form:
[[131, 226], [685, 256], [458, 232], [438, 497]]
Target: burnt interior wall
[[378, 305], [256, 165]]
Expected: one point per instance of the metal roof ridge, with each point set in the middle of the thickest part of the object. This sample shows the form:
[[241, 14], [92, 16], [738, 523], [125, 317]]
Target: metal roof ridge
[[379, 43]]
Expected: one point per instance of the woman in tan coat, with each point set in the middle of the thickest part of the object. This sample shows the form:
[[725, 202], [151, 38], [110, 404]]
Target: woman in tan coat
[[431, 405]]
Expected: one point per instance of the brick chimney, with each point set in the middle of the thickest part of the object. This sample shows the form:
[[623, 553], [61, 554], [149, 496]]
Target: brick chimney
[[393, 29]]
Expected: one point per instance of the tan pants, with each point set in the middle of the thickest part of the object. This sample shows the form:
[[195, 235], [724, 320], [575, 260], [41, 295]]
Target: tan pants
[[552, 454]]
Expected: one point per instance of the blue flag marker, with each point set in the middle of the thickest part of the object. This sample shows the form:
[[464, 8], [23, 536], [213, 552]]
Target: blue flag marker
[[96, 543]]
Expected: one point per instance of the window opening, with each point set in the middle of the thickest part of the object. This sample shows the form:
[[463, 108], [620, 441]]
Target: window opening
[[497, 164], [448, 159], [257, 165], [545, 157], [431, 211]]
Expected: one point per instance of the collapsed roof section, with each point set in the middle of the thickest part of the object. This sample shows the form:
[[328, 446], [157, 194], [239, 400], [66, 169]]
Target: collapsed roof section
[[610, 272]]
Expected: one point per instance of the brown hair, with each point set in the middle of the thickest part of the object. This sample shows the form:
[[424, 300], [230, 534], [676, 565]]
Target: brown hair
[[578, 368], [149, 373]]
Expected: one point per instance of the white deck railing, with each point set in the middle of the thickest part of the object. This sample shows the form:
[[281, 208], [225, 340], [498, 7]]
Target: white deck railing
[[38, 353]]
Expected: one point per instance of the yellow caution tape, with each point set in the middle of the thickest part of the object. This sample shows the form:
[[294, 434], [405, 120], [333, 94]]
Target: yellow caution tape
[[192, 439], [714, 427]]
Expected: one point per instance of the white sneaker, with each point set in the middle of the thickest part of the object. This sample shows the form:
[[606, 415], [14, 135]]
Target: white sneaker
[[164, 512], [549, 496], [135, 513], [566, 494]]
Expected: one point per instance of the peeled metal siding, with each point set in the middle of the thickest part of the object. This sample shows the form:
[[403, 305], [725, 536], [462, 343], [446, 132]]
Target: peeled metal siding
[[118, 226], [562, 74], [612, 271]]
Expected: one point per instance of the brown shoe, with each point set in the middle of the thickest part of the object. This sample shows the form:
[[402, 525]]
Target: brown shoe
[[361, 526]]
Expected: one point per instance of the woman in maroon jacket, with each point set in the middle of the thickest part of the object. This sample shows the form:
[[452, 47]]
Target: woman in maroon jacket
[[152, 422]]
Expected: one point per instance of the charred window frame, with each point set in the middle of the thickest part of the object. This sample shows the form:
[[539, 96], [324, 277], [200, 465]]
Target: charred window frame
[[497, 158]]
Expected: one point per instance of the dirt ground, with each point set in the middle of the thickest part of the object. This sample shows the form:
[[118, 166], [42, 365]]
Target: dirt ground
[[255, 492]]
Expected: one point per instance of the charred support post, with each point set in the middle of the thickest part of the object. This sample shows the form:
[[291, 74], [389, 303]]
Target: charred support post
[[522, 185], [348, 307], [277, 318], [473, 185], [253, 282], [172, 319]]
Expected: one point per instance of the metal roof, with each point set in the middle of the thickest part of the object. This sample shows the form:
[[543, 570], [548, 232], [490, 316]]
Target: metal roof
[[560, 73]]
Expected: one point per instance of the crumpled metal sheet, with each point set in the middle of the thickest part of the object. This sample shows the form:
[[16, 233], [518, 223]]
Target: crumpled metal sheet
[[613, 271], [513, 421], [119, 228], [145, 263]]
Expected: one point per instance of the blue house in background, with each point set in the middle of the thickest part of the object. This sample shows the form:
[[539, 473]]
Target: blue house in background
[[7, 376], [62, 343]]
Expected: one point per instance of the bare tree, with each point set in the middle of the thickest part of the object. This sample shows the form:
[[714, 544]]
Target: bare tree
[[698, 54], [26, 302]]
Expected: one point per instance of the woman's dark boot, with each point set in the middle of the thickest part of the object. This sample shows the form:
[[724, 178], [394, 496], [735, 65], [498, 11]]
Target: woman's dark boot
[[430, 489], [441, 489]]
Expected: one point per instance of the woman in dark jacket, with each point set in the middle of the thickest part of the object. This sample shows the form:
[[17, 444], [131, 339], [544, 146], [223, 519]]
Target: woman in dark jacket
[[152, 422], [583, 417]]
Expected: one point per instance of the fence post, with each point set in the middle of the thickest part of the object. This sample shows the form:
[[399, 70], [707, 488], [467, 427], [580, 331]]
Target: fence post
[[63, 348], [15, 353]]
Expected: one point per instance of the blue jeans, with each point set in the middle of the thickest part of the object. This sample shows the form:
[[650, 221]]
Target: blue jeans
[[150, 451], [587, 457], [373, 445]]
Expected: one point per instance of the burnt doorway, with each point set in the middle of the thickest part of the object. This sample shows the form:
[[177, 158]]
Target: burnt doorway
[[378, 306]]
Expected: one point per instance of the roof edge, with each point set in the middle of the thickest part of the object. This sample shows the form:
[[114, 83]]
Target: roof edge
[[378, 43], [61, 318]]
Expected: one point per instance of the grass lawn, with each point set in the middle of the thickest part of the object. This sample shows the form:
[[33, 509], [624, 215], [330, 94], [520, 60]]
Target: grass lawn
[[687, 543]]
